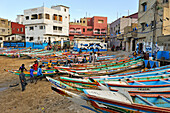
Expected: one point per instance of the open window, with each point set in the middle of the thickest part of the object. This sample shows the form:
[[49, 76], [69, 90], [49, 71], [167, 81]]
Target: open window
[[34, 16]]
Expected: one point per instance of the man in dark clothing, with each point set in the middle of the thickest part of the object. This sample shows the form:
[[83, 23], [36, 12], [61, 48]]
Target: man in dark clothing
[[22, 77]]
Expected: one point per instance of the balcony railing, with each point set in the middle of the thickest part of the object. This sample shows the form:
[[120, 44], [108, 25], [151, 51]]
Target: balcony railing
[[96, 32], [75, 31], [56, 21]]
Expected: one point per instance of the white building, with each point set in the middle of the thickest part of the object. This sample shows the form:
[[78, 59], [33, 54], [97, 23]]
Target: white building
[[43, 24]]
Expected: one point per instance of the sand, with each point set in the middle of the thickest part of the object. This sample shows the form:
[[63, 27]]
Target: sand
[[37, 98]]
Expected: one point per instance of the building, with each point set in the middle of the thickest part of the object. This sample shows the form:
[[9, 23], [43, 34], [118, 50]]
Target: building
[[17, 32], [130, 35], [117, 29], [44, 24], [5, 29], [153, 24], [95, 27]]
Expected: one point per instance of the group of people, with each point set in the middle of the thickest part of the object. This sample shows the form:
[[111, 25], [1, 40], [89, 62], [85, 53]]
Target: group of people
[[35, 67]]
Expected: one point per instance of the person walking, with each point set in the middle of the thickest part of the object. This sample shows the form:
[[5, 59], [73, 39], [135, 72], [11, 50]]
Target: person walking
[[39, 74], [22, 77], [31, 74], [90, 58]]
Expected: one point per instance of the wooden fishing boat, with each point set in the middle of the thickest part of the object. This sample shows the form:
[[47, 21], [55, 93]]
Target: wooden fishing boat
[[47, 72], [107, 101], [159, 70], [104, 71], [96, 66]]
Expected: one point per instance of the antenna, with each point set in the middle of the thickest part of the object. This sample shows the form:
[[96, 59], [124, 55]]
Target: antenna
[[117, 15], [86, 14], [128, 12], [43, 4]]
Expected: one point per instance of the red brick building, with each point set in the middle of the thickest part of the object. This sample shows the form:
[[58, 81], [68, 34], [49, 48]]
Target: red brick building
[[88, 27], [17, 32], [17, 28]]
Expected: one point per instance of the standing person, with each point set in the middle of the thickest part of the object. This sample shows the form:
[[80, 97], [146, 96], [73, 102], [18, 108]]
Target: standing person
[[39, 74], [49, 64], [22, 77], [35, 66], [75, 59], [31, 74], [90, 58], [94, 59], [84, 60]]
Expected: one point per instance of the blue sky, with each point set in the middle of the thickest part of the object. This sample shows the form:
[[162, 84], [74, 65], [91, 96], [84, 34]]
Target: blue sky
[[78, 8]]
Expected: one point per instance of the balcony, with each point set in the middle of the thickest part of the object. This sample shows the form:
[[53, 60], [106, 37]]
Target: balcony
[[57, 31], [56, 21], [75, 31]]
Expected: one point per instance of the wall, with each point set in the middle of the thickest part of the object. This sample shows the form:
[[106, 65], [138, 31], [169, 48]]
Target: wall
[[16, 28], [47, 31]]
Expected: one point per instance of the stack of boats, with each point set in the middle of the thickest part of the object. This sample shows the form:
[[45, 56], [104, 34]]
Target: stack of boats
[[140, 91]]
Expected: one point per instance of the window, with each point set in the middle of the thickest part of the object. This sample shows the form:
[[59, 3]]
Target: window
[[3, 30], [33, 17], [84, 30], [144, 7], [165, 1], [65, 9], [65, 16], [100, 21], [8, 38], [27, 17], [31, 28], [47, 16], [21, 29], [60, 18], [54, 17], [18, 29], [60, 28], [31, 38], [41, 27], [40, 16], [89, 20], [38, 38], [89, 29], [84, 21], [3, 21], [54, 27], [1, 38], [143, 26], [12, 38]]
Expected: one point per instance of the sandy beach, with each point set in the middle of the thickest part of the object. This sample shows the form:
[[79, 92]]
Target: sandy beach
[[37, 98]]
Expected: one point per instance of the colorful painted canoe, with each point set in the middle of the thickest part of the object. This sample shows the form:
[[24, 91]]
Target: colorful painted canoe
[[121, 102], [159, 70], [104, 71], [47, 72]]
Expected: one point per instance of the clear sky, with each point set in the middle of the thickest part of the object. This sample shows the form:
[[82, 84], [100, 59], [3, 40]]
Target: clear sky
[[78, 8]]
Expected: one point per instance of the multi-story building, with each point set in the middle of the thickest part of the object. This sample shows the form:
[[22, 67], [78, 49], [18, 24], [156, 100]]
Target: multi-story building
[[44, 24], [95, 27], [130, 36], [17, 34], [5, 29], [153, 24], [117, 29]]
